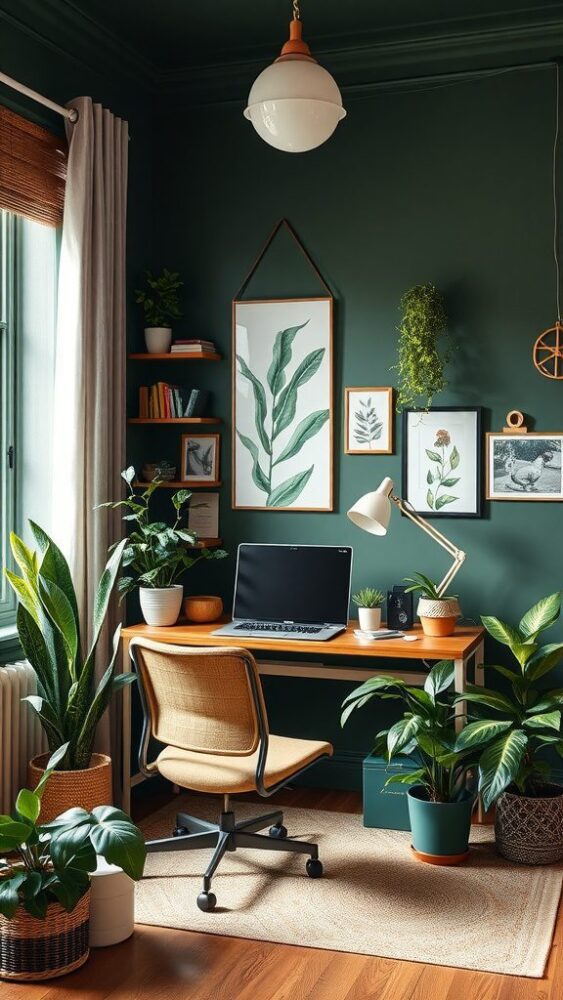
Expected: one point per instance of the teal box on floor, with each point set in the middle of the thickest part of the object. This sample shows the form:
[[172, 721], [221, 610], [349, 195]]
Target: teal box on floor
[[386, 808]]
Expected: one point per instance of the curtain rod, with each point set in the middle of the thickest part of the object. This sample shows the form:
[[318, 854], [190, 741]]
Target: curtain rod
[[70, 113]]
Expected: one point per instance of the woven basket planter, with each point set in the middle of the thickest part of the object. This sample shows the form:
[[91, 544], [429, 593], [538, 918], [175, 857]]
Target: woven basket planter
[[33, 949], [438, 617], [68, 789], [530, 830]]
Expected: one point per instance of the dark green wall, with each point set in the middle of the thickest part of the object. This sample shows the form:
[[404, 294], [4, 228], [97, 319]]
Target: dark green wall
[[449, 185]]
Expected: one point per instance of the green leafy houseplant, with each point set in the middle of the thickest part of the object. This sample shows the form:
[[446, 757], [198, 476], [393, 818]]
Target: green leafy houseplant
[[368, 597], [68, 703], [155, 555], [526, 721], [421, 363], [51, 863], [275, 407], [425, 732], [423, 585], [160, 298]]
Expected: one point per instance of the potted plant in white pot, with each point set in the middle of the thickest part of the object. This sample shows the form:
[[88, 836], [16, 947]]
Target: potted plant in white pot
[[368, 602], [160, 303], [526, 725], [438, 615], [440, 796], [68, 701], [156, 554], [45, 880]]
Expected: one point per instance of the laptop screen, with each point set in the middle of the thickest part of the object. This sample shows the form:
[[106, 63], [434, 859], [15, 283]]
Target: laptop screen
[[307, 584]]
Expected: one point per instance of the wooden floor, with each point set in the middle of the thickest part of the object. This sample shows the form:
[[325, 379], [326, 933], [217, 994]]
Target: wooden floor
[[163, 964]]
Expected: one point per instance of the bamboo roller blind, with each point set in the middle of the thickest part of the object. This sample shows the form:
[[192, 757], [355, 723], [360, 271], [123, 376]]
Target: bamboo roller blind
[[32, 169]]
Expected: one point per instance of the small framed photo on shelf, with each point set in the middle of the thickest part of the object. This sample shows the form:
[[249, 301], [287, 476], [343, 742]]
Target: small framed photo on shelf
[[368, 421], [203, 515], [200, 459], [524, 466], [442, 460]]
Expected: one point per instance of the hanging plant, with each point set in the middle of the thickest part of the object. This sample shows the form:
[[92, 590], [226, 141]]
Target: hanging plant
[[421, 364]]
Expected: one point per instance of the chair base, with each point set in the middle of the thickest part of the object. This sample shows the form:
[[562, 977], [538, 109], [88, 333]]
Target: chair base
[[193, 834]]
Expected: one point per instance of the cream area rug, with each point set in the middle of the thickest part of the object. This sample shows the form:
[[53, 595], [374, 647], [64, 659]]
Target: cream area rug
[[374, 898]]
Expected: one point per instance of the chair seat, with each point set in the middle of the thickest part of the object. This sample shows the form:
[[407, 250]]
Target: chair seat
[[224, 774]]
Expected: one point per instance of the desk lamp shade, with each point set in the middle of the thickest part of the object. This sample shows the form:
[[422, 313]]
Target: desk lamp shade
[[295, 104], [372, 511]]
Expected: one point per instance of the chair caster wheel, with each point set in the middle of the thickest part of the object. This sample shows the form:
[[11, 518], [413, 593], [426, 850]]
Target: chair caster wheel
[[314, 868], [207, 901], [180, 831], [278, 832]]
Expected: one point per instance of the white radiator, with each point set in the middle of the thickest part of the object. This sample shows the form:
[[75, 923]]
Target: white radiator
[[21, 735]]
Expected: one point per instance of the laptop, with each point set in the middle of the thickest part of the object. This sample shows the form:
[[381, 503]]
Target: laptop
[[290, 592]]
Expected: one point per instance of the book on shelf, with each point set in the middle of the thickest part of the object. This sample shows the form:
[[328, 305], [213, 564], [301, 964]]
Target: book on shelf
[[168, 402], [143, 401], [192, 347], [197, 403]]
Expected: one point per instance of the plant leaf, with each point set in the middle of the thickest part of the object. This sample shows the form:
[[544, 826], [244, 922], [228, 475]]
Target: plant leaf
[[288, 491], [500, 764], [260, 405], [445, 499], [282, 357], [116, 838], [486, 696], [401, 733], [480, 732], [59, 610], [439, 678], [28, 805], [450, 481], [406, 778], [433, 455], [258, 475], [501, 631], [304, 431], [430, 499], [9, 898], [545, 659], [284, 410], [545, 720], [541, 615]]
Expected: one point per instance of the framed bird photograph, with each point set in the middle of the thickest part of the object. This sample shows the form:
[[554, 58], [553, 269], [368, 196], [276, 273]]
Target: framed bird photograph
[[524, 466], [200, 459], [368, 421], [442, 461]]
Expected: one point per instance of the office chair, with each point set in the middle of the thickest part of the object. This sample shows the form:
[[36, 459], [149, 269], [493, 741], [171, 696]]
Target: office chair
[[206, 706]]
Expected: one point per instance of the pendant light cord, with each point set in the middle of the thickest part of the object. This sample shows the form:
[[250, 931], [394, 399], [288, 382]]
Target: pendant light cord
[[555, 202]]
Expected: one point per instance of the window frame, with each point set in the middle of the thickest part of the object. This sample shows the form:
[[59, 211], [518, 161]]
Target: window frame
[[8, 410]]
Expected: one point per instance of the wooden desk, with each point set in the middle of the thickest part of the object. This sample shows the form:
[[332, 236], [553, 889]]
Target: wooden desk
[[465, 645]]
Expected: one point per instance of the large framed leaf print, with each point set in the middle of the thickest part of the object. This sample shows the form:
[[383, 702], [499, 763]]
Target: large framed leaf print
[[282, 404]]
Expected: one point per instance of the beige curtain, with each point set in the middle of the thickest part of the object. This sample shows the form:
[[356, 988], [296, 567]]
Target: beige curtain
[[89, 417]]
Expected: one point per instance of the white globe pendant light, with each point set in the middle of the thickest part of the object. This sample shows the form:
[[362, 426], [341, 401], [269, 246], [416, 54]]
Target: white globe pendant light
[[295, 104]]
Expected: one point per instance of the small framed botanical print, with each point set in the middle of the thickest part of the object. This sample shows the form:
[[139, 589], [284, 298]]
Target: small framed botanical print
[[368, 421], [524, 466], [200, 459], [442, 459]]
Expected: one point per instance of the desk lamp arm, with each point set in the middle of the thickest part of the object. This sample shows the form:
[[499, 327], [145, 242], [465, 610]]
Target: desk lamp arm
[[458, 554]]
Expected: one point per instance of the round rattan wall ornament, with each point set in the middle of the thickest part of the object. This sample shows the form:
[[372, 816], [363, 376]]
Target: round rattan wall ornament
[[548, 352]]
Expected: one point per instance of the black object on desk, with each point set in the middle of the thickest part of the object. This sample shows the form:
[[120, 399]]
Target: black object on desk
[[400, 611]]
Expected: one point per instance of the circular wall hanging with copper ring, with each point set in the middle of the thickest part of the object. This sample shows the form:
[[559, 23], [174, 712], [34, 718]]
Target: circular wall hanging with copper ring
[[548, 352]]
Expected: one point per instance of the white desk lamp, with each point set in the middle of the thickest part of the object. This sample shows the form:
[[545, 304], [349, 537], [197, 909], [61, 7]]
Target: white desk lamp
[[372, 512]]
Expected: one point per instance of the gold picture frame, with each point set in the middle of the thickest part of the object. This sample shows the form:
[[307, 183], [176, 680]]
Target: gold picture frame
[[200, 464], [519, 467], [360, 421]]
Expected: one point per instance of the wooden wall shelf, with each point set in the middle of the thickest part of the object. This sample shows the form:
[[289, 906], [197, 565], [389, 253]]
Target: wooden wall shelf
[[173, 420], [179, 485], [178, 356]]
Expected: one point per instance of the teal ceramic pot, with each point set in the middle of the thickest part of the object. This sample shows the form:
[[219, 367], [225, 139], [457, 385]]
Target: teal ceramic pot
[[440, 830]]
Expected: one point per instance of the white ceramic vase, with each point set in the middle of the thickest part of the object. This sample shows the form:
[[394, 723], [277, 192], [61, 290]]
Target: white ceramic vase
[[161, 605], [112, 905], [370, 619], [158, 339]]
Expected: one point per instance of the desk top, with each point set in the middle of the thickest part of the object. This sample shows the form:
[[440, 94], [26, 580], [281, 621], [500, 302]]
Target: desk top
[[458, 646]]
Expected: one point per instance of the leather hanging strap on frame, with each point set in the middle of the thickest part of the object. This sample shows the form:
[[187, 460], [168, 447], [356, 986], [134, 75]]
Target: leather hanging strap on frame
[[266, 247]]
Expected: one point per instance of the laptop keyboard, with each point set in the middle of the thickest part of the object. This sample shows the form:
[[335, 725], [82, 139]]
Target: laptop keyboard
[[288, 629]]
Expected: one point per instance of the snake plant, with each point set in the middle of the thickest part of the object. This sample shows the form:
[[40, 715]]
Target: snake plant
[[68, 702]]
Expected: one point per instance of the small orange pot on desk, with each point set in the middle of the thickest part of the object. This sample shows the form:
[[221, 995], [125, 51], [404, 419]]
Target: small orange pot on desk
[[438, 618], [203, 609]]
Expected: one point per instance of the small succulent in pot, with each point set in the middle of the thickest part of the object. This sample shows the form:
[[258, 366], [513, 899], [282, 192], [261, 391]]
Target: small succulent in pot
[[368, 602], [438, 614], [524, 727]]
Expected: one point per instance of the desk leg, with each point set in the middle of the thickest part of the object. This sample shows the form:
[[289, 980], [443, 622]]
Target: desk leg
[[460, 681], [126, 731], [479, 679]]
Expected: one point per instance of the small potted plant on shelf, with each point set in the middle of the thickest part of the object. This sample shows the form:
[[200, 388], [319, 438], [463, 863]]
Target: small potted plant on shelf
[[368, 602], [526, 724], [68, 702], [45, 879], [440, 796], [160, 303], [422, 362], [156, 554], [438, 615]]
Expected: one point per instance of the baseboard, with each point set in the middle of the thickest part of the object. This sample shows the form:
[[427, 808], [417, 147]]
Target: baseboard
[[342, 771]]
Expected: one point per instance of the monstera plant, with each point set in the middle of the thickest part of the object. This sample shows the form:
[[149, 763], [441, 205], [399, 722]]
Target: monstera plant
[[275, 410]]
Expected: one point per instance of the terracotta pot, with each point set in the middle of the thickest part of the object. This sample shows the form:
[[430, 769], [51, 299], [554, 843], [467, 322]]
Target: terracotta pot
[[32, 949], [438, 617], [66, 789], [530, 830], [203, 609]]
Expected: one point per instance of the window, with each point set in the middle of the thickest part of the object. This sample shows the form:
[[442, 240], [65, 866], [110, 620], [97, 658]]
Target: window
[[28, 282]]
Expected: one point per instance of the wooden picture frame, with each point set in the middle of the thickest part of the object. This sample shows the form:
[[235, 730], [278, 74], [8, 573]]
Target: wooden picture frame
[[515, 470], [282, 349], [370, 417], [455, 489], [192, 460]]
